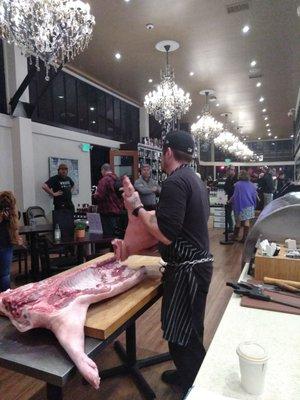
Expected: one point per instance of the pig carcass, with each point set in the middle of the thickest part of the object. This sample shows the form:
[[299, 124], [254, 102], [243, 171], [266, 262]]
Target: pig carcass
[[60, 304], [137, 238]]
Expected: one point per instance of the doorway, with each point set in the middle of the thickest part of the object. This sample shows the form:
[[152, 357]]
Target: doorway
[[99, 156]]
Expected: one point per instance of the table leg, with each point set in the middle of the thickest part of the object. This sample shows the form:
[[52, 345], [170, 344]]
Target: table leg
[[34, 258], [54, 392], [131, 365]]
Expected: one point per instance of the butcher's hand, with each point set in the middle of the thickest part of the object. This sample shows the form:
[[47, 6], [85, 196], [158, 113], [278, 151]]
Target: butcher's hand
[[132, 202]]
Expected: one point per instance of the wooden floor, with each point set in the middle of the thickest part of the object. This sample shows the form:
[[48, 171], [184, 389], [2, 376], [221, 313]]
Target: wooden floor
[[227, 265]]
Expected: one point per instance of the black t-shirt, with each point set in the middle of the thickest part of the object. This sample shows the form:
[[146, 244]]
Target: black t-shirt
[[229, 186], [183, 209], [64, 184]]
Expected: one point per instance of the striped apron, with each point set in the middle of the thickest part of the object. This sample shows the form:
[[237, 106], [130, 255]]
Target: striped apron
[[186, 277]]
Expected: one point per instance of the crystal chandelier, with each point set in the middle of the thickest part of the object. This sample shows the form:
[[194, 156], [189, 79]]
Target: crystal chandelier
[[53, 31], [225, 140], [168, 103], [206, 127], [240, 150]]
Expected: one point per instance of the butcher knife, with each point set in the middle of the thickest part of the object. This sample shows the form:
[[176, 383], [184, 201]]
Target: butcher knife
[[248, 290]]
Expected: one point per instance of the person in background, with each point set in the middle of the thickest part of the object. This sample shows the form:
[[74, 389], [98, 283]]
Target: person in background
[[281, 181], [147, 188], [229, 189], [244, 202], [180, 225], [267, 186], [8, 236], [60, 187], [110, 204]]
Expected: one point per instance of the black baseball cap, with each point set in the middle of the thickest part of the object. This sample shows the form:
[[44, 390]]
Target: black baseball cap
[[181, 141]]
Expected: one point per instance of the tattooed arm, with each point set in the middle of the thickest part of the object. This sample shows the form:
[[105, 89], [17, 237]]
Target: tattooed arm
[[150, 221]]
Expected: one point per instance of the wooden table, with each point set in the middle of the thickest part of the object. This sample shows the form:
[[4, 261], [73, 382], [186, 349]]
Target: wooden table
[[33, 232], [90, 238], [38, 354]]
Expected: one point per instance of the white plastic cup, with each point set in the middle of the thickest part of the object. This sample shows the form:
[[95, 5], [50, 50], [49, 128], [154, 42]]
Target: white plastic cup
[[253, 360]]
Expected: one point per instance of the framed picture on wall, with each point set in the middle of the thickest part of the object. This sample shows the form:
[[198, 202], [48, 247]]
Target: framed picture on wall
[[73, 173]]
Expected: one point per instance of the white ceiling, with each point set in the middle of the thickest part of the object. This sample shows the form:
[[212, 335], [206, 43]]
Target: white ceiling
[[212, 46]]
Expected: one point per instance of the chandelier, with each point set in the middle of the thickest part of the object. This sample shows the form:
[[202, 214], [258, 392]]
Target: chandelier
[[225, 140], [240, 150], [206, 127], [53, 31], [168, 103]]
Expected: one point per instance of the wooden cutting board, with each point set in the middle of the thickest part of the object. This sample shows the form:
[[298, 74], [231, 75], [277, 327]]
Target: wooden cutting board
[[269, 305], [106, 317]]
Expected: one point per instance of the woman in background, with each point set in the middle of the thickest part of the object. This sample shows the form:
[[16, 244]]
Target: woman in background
[[244, 202], [8, 236]]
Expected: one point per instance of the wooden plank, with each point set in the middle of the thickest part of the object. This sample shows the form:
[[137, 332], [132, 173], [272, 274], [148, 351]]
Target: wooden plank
[[280, 267]]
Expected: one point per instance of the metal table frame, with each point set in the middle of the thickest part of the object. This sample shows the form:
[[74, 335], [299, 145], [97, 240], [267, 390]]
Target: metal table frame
[[131, 365]]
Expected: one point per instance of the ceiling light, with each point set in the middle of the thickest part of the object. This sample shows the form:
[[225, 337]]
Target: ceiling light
[[245, 139], [192, 73], [261, 99], [253, 63], [150, 80], [259, 138], [267, 125], [264, 110], [269, 130], [246, 29], [60, 97], [273, 143], [258, 84], [149, 26], [168, 102], [266, 118], [198, 116], [93, 122], [118, 56], [275, 137], [270, 134], [127, 1], [52, 32], [292, 136], [217, 105], [92, 108], [232, 122]]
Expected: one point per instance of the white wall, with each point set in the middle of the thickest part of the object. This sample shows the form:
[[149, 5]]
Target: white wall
[[49, 141], [6, 159]]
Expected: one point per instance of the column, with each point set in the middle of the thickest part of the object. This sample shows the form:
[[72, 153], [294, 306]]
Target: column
[[23, 161], [144, 123]]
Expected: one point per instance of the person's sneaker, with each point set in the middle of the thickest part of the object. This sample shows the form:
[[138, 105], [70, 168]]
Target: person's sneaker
[[171, 377]]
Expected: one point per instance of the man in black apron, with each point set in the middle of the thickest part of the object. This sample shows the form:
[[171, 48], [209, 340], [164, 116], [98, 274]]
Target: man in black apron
[[180, 224]]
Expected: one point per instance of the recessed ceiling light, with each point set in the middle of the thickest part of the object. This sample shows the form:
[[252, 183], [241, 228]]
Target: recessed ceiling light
[[127, 1], [92, 108], [60, 97], [118, 56], [269, 130], [269, 134], [245, 139], [253, 63], [292, 136], [150, 80], [198, 116], [264, 110], [232, 122], [267, 125], [245, 28], [217, 105], [261, 99], [266, 118], [259, 138], [275, 137], [258, 84], [93, 122], [192, 73], [149, 26]]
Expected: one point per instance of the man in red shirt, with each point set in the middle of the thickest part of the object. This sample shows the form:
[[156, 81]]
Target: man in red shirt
[[110, 204]]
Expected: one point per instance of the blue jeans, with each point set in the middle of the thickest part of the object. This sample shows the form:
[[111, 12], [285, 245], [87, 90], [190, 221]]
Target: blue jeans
[[6, 255]]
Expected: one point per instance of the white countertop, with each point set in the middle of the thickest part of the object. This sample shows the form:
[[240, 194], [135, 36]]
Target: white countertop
[[278, 332]]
